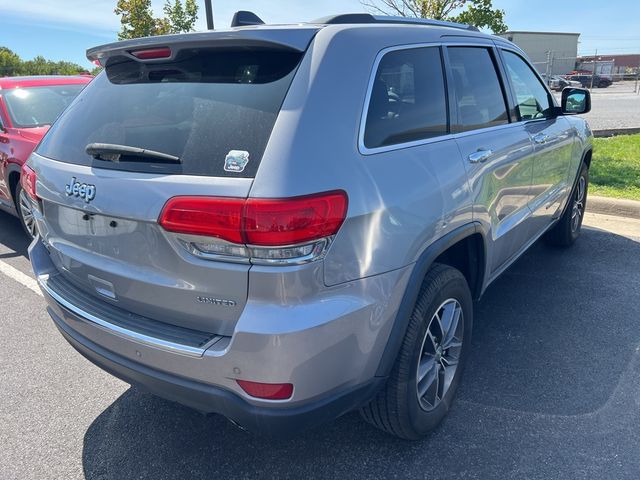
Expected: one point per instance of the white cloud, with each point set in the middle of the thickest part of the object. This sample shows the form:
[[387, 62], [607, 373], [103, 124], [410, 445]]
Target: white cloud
[[98, 16]]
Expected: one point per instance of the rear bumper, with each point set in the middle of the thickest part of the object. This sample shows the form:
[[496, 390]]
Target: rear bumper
[[211, 399], [328, 348]]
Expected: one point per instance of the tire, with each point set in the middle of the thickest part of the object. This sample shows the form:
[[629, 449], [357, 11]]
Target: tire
[[567, 230], [397, 408], [26, 220]]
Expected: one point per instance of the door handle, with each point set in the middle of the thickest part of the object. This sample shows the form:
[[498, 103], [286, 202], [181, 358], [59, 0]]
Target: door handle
[[541, 138], [480, 156]]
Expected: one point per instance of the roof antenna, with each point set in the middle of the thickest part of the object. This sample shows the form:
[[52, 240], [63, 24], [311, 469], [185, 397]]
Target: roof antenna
[[208, 11], [243, 18]]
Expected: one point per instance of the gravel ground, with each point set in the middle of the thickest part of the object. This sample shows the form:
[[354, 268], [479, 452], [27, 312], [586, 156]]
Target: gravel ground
[[614, 107], [551, 390]]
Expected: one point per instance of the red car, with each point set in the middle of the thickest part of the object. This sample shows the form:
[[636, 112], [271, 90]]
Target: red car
[[28, 107]]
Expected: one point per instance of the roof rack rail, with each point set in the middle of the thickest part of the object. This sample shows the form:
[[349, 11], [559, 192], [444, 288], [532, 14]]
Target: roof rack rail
[[368, 18]]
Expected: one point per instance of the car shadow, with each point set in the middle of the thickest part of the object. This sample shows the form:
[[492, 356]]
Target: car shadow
[[13, 236], [552, 338]]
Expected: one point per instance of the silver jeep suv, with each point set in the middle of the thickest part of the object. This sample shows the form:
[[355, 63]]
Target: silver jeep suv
[[281, 224]]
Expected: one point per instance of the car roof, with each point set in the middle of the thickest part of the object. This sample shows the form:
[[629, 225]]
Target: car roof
[[43, 80], [296, 36]]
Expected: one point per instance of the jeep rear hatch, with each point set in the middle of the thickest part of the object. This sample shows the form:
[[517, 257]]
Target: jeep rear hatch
[[169, 117]]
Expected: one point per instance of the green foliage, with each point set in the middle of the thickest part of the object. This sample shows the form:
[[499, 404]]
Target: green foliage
[[615, 168], [137, 20], [11, 65], [181, 18], [479, 13]]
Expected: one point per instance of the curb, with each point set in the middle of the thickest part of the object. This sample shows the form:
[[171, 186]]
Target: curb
[[614, 206], [613, 132]]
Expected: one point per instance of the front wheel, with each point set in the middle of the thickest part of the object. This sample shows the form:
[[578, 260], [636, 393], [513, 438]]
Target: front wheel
[[422, 384], [568, 228]]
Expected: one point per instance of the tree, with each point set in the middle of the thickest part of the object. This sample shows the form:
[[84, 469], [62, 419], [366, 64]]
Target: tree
[[181, 18], [479, 13], [10, 63], [136, 17]]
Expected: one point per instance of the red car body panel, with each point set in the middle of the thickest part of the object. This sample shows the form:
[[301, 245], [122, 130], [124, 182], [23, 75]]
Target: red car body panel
[[16, 144]]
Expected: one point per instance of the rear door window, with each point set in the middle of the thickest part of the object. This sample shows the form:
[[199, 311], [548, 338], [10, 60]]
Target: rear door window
[[407, 101], [479, 95], [211, 109]]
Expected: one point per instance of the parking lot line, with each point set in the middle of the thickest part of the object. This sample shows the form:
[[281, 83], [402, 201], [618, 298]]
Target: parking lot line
[[19, 277]]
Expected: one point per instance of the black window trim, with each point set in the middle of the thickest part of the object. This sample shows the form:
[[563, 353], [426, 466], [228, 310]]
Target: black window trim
[[363, 149], [495, 48], [512, 92]]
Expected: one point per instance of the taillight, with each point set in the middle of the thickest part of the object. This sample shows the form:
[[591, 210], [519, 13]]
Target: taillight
[[267, 391], [28, 181], [296, 220], [219, 217], [270, 230], [152, 53]]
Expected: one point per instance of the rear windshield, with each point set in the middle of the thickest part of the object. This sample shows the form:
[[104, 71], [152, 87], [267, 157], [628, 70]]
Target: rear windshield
[[213, 110], [38, 106]]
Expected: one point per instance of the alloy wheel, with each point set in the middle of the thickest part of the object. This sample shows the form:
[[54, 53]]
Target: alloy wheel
[[26, 213], [578, 204], [440, 354]]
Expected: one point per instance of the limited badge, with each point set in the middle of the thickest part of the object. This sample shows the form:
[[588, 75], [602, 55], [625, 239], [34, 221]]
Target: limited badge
[[236, 160]]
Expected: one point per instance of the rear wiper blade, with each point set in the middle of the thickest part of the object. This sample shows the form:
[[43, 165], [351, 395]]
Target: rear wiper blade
[[111, 152]]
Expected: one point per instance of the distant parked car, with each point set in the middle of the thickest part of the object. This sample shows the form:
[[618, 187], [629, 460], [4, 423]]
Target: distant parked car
[[585, 80], [28, 107], [555, 82]]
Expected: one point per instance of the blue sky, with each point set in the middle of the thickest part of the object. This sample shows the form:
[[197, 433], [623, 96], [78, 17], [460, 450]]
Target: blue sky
[[64, 29]]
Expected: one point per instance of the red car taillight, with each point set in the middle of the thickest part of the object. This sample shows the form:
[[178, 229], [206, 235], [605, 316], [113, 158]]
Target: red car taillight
[[219, 217], [28, 181], [273, 231], [269, 222], [257, 221]]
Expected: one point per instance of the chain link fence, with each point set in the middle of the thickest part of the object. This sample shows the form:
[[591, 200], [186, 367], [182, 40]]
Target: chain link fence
[[601, 76]]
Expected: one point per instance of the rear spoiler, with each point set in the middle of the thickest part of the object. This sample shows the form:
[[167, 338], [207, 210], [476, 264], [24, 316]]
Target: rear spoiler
[[286, 38]]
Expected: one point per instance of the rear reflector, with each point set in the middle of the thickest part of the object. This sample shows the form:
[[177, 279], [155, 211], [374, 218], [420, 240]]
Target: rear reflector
[[257, 221], [152, 53], [267, 391], [28, 181]]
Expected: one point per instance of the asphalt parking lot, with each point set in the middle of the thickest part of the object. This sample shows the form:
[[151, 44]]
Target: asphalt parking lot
[[552, 390], [617, 106]]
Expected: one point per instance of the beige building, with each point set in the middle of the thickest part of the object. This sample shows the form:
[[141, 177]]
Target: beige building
[[561, 48]]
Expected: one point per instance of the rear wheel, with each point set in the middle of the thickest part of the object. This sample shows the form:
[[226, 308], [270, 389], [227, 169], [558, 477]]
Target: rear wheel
[[424, 379], [567, 230], [25, 211]]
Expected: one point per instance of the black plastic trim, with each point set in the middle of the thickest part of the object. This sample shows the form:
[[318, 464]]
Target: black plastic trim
[[276, 421], [410, 297]]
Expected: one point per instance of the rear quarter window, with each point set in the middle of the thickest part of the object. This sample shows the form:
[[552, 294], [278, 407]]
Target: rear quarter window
[[210, 108]]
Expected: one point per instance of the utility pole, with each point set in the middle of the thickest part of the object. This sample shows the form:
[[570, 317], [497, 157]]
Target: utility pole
[[548, 71], [595, 59], [208, 10]]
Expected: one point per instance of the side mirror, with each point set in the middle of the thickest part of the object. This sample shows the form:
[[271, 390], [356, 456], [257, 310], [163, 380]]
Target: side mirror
[[575, 101]]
